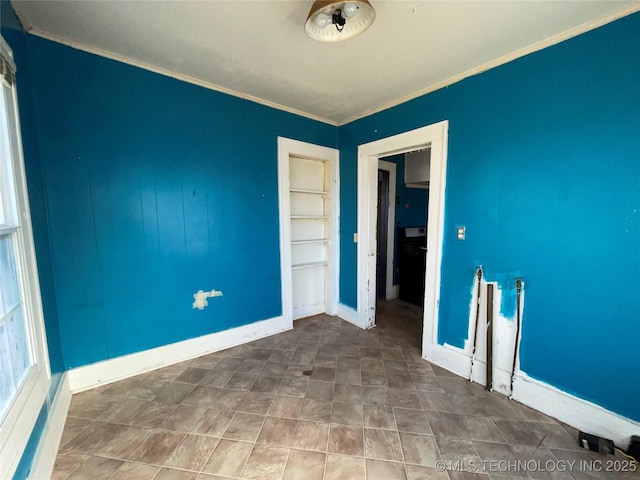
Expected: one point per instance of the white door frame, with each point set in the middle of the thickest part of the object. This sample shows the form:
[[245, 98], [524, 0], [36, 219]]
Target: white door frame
[[390, 291], [286, 148], [368, 155]]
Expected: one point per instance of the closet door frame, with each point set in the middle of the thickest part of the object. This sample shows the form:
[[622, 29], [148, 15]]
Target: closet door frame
[[286, 148]]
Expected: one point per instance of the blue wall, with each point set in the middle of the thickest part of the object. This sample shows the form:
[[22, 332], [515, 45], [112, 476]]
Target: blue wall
[[155, 189], [544, 171]]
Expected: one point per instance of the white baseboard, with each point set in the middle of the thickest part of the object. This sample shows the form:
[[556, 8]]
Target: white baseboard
[[349, 314], [585, 416], [108, 371], [307, 311], [543, 397], [45, 457]]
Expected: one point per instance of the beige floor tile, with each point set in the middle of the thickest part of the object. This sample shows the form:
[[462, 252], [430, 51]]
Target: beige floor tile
[[217, 378], [202, 397], [348, 376], [213, 422], [447, 425], [192, 453], [345, 362], [244, 426], [382, 444], [172, 474], [382, 470], [346, 440], [157, 447], [96, 468], [277, 431], [265, 384], [311, 436], [274, 369], [153, 414], [459, 453], [346, 413], [132, 471], [110, 440], [378, 416], [72, 427], [482, 428], [436, 402], [419, 449], [286, 407], [174, 393], [371, 364], [396, 397], [183, 418], [374, 378], [319, 390], [192, 375], [303, 464], [229, 399], [348, 393], [409, 420], [254, 402], [428, 383], [66, 464], [343, 467], [316, 410], [266, 462], [90, 405], [400, 380], [417, 472], [122, 411], [323, 374], [517, 432], [228, 458], [294, 387]]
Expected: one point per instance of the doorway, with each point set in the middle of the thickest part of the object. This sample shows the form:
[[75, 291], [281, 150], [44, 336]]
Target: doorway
[[369, 154], [386, 210], [382, 232]]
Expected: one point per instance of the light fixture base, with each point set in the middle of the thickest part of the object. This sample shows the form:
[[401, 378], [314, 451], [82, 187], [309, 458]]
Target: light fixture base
[[335, 21]]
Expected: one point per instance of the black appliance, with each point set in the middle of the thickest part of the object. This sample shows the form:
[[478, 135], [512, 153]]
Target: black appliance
[[412, 263]]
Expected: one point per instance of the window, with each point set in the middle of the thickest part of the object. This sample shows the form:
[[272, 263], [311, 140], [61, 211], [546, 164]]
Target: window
[[24, 369]]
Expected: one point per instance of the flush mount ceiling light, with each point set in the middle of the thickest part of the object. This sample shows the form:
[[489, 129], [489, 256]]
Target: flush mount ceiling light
[[334, 21]]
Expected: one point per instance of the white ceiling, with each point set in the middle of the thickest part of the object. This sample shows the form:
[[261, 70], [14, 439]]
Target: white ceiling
[[258, 49]]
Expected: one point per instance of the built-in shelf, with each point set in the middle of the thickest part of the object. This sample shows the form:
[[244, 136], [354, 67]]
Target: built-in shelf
[[316, 240], [312, 222], [309, 265], [310, 192]]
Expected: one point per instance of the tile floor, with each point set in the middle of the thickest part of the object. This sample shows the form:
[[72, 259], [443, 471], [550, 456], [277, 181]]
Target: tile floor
[[371, 409]]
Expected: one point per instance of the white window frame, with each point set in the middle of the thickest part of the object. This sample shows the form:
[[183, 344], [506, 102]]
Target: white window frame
[[17, 426]]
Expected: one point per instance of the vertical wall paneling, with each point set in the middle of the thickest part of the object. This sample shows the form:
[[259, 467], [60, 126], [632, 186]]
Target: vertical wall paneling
[[543, 172]]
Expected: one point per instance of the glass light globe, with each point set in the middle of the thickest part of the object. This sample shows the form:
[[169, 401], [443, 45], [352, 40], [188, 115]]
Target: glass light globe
[[322, 20], [349, 9]]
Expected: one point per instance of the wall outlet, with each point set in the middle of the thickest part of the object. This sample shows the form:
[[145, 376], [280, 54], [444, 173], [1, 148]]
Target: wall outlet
[[460, 231]]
